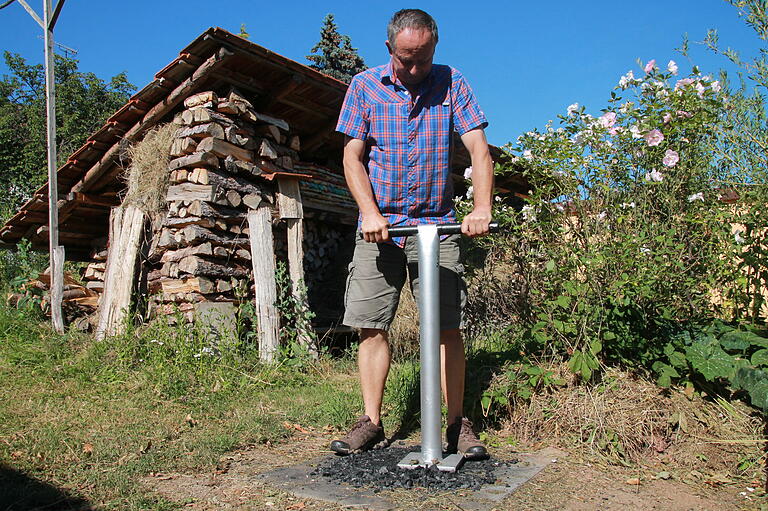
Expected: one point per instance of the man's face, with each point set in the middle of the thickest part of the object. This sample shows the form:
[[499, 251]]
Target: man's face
[[412, 55]]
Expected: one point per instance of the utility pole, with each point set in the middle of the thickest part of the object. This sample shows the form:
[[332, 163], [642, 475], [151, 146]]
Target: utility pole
[[56, 251]]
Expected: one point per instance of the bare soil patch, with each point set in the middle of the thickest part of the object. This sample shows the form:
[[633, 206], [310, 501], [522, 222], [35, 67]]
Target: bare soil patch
[[569, 483]]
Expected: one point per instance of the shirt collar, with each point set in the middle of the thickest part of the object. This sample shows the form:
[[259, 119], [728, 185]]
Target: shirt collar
[[387, 76]]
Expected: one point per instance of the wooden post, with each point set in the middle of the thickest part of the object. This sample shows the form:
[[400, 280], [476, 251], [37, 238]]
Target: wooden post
[[263, 260], [126, 226], [292, 211], [57, 263]]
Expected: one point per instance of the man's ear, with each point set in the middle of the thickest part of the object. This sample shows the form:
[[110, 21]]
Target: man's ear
[[389, 47]]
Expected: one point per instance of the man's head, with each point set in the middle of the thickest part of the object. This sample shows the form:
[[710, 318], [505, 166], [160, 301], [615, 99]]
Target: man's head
[[411, 40]]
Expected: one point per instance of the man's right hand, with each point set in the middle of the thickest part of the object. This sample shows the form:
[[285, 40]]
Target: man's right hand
[[374, 228]]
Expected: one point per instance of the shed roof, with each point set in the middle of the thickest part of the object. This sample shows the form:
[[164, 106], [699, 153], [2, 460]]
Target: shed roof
[[89, 182]]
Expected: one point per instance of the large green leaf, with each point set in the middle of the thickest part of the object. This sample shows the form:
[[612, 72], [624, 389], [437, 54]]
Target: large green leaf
[[709, 359], [741, 340], [755, 383], [760, 358]]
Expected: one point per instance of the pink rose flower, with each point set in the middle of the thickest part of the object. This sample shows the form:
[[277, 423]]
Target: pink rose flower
[[608, 119], [667, 117], [683, 82], [654, 138], [670, 158], [650, 65], [683, 114]]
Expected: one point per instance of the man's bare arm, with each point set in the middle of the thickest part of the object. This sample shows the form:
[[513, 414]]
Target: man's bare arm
[[476, 223], [374, 225]]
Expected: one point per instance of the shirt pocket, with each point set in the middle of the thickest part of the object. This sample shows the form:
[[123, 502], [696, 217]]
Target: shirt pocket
[[389, 123]]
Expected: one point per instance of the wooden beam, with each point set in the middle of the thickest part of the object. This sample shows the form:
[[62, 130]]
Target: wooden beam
[[263, 260]]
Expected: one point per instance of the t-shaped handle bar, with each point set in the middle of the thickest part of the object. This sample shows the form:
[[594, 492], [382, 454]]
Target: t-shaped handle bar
[[412, 230]]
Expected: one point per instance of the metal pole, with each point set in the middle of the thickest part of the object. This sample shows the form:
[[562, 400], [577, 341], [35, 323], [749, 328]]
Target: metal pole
[[429, 318], [57, 270]]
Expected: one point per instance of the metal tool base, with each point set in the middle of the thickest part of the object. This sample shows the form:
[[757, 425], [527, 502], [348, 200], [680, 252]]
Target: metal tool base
[[448, 464]]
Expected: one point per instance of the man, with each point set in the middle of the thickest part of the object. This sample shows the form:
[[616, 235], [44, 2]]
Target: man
[[398, 120]]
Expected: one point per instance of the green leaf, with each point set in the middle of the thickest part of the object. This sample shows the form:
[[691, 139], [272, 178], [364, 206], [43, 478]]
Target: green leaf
[[760, 357], [608, 335], [755, 383], [550, 265], [739, 338], [486, 402], [595, 346], [563, 301], [710, 360]]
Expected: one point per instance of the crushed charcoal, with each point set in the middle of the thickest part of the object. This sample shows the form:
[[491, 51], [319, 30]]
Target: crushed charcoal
[[378, 469]]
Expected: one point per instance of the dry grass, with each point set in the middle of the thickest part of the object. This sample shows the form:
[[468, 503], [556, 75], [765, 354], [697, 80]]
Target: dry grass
[[630, 420], [147, 177], [404, 333]]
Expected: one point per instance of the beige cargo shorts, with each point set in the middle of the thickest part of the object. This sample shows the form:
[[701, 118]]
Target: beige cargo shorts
[[377, 274]]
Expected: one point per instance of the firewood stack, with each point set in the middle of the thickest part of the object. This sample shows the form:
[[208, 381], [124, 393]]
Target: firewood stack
[[94, 272], [224, 157]]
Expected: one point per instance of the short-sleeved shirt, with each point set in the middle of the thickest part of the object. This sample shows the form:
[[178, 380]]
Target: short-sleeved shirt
[[409, 145]]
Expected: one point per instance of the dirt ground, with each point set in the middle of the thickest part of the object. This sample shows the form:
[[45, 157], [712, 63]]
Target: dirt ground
[[567, 483]]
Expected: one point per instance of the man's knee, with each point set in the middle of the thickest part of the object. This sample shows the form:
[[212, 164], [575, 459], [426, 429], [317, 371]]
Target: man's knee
[[373, 335]]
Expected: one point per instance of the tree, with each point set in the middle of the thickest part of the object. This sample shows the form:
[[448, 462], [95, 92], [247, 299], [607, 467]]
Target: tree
[[83, 102], [334, 55]]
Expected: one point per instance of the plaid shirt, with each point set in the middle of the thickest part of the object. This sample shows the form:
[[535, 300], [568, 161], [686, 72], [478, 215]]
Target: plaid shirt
[[409, 144]]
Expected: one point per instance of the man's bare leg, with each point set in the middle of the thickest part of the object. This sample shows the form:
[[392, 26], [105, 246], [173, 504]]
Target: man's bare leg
[[453, 365], [373, 360]]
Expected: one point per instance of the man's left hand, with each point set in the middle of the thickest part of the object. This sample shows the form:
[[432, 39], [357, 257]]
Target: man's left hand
[[476, 223]]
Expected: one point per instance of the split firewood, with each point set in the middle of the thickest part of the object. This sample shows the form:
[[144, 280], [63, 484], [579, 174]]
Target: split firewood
[[198, 266], [252, 200], [99, 256], [294, 143], [199, 158], [202, 131], [228, 107], [170, 270], [95, 285], [200, 115], [183, 212], [191, 192], [223, 286], [237, 167], [235, 228], [194, 234], [233, 198], [222, 148], [195, 284], [285, 162], [190, 220], [266, 150], [224, 180], [183, 146], [200, 99], [234, 135], [221, 252], [178, 255], [205, 209], [242, 253], [269, 130], [235, 96], [254, 116]]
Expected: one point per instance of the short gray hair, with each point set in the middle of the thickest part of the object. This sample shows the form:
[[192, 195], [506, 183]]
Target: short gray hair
[[410, 18]]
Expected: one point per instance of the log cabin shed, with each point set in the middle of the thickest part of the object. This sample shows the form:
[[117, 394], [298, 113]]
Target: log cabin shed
[[266, 117]]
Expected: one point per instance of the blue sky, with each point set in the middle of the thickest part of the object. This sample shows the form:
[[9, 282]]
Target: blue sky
[[526, 61]]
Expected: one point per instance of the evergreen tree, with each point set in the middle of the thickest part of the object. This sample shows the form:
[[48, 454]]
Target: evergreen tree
[[334, 55]]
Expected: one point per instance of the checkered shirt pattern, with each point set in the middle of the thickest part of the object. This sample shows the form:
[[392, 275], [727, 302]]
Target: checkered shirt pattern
[[409, 145]]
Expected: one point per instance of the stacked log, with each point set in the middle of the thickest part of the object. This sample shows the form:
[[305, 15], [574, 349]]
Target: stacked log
[[326, 190], [93, 276], [223, 150]]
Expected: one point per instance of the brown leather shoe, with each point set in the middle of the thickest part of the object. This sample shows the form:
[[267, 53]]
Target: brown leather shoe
[[363, 436], [461, 438]]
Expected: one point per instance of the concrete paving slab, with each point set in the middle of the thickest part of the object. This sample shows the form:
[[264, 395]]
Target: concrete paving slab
[[300, 481]]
